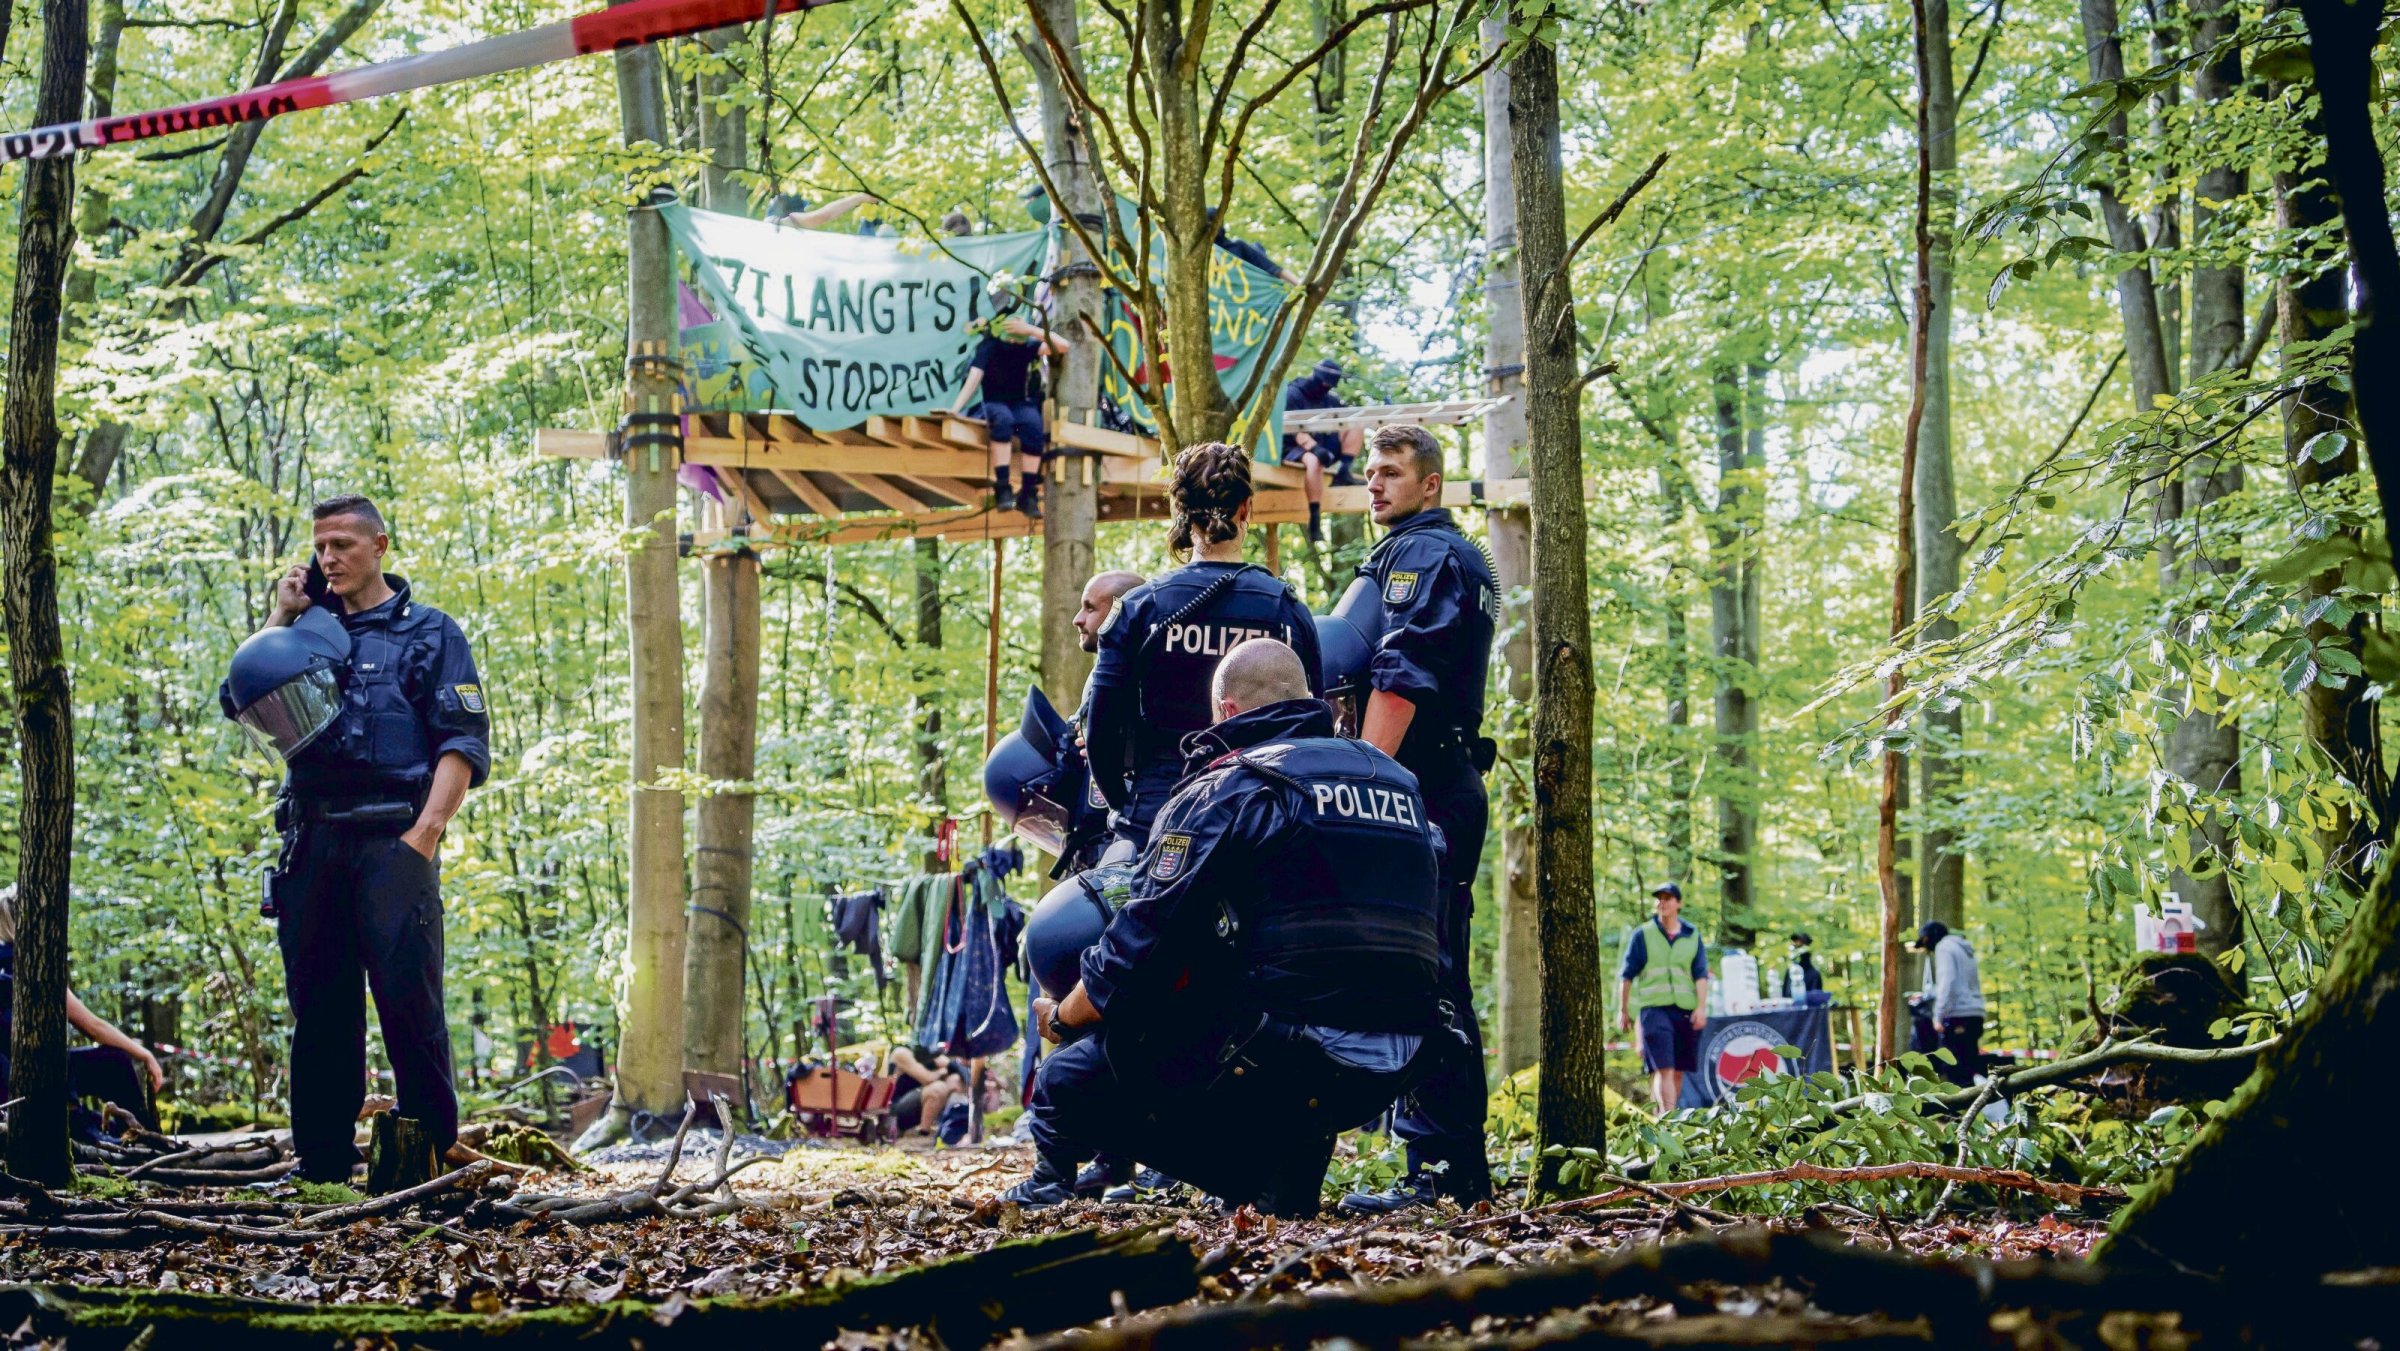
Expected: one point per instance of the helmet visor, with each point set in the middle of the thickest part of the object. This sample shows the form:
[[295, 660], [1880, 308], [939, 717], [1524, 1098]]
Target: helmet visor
[[1042, 823], [288, 719]]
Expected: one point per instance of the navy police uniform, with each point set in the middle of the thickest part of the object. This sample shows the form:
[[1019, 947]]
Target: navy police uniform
[[1272, 976], [353, 900], [1439, 607], [1159, 649]]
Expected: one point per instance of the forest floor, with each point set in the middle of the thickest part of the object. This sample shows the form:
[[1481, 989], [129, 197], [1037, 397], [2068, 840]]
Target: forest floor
[[823, 1214]]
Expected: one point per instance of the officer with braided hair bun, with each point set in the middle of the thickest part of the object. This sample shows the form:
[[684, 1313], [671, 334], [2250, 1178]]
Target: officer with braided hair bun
[[1424, 708], [1161, 643]]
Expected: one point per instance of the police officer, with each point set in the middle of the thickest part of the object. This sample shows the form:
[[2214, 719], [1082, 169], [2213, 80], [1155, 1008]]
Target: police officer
[[1425, 708], [1162, 642], [363, 809], [1270, 978]]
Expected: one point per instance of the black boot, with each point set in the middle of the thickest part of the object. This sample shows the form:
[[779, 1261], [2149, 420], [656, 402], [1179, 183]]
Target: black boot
[[1029, 498], [1000, 488], [1150, 1187], [1413, 1191], [1316, 523], [1049, 1186], [1103, 1174]]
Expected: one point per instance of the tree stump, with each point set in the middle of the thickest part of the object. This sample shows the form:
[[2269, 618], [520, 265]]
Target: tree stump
[[399, 1154], [2177, 997]]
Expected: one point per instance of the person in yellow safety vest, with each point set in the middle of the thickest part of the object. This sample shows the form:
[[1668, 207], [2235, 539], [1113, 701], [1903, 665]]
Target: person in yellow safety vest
[[1665, 975]]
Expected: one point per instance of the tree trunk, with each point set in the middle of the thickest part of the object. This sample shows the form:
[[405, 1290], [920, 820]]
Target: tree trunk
[[717, 925], [650, 1056], [1071, 516], [2341, 39], [1904, 547], [37, 664], [1517, 970], [1199, 409], [1678, 680], [2137, 294], [2344, 722], [2202, 750], [2207, 1211], [1732, 627], [1568, 1108], [1941, 873]]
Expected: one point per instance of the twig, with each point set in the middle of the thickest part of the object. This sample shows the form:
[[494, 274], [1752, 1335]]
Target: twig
[[2006, 1178], [1966, 1124], [463, 1179], [691, 1108]]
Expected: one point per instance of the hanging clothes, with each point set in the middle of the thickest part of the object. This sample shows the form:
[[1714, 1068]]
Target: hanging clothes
[[917, 931], [968, 1010], [858, 926]]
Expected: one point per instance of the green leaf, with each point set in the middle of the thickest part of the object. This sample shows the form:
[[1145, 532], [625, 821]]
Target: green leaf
[[2325, 446]]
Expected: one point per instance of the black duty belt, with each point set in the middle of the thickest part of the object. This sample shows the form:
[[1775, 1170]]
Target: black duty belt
[[377, 812]]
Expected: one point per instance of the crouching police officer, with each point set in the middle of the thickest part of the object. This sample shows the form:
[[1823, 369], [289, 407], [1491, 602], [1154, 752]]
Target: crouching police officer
[[1424, 708], [1270, 978], [382, 732]]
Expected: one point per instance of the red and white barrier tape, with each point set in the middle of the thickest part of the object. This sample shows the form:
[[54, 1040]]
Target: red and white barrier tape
[[628, 25]]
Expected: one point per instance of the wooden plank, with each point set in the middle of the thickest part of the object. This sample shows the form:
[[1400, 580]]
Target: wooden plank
[[1100, 440], [965, 494], [866, 458], [960, 430], [809, 493], [1443, 413], [565, 445], [884, 491], [739, 482]]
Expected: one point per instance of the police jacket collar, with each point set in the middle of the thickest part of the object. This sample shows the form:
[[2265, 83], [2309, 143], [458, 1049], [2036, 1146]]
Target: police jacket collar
[[398, 608], [1267, 722], [1431, 518]]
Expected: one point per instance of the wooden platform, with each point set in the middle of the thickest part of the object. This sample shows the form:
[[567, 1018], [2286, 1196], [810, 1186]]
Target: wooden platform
[[905, 477]]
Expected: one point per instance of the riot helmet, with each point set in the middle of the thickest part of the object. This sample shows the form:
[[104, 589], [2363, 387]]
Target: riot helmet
[[1068, 921], [285, 684], [1346, 639], [1034, 777]]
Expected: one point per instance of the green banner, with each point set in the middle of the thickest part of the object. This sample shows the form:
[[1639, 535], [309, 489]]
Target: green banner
[[1242, 301], [832, 328]]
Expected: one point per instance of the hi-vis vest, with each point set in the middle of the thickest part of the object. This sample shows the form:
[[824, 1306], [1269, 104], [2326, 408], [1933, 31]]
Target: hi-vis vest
[[1666, 975]]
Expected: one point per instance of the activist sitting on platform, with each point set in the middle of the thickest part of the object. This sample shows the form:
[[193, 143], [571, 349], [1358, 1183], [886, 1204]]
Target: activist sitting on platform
[[1004, 371]]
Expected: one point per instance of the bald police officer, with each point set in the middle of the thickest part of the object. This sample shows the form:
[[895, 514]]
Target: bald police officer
[[1270, 979], [1425, 709]]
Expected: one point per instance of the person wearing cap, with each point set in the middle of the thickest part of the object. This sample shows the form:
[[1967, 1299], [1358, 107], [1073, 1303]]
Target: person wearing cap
[[1309, 393], [1954, 999], [1665, 977], [1800, 975]]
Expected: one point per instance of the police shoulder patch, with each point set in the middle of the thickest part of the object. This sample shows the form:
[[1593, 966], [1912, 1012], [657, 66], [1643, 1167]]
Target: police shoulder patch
[[1399, 587], [1173, 848], [470, 697], [1115, 608]]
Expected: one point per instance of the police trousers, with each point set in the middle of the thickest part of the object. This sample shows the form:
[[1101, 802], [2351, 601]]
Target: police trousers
[[359, 909], [1441, 1122], [1259, 1130]]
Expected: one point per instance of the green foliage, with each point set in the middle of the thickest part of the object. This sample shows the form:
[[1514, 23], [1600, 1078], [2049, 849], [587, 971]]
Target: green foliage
[[326, 1193]]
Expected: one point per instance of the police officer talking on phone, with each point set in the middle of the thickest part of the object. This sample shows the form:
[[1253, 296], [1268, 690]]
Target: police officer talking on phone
[[1424, 708], [381, 744]]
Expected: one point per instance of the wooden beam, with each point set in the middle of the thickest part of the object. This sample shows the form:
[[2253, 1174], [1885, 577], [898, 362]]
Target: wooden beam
[[1100, 440], [809, 493], [566, 445], [965, 494], [739, 482], [836, 459], [882, 490]]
